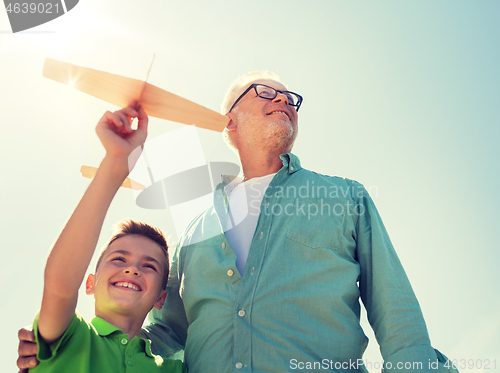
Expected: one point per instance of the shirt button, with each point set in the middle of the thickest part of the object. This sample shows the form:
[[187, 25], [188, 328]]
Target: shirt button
[[267, 204], [291, 168], [261, 234], [241, 313], [230, 272], [124, 341], [223, 245], [238, 365]]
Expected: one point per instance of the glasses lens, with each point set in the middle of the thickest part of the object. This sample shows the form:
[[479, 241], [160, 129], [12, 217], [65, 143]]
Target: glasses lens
[[293, 99], [270, 93], [266, 92]]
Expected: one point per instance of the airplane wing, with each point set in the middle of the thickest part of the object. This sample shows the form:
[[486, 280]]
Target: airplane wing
[[120, 91]]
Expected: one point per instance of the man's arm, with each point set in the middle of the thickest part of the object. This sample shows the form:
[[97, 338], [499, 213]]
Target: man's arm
[[73, 250], [392, 307]]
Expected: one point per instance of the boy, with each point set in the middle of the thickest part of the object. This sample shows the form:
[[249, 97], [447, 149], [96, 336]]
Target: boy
[[130, 275]]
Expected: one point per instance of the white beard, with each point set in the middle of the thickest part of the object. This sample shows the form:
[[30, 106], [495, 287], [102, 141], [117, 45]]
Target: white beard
[[271, 133]]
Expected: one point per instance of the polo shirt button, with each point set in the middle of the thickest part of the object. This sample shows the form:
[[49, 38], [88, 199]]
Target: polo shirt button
[[261, 234], [124, 341], [223, 245], [241, 313], [291, 168], [238, 365], [230, 272]]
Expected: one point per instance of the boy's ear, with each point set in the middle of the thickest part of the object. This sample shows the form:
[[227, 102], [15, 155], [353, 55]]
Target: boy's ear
[[89, 285], [161, 300]]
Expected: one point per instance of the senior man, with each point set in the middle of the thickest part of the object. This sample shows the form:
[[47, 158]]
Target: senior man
[[268, 279]]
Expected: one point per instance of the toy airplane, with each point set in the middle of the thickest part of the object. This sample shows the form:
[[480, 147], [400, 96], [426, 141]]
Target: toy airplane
[[120, 91]]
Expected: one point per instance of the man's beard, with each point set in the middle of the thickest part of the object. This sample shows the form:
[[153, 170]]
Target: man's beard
[[272, 133]]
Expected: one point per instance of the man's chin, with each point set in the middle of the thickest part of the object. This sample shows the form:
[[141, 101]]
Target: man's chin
[[282, 126], [284, 136]]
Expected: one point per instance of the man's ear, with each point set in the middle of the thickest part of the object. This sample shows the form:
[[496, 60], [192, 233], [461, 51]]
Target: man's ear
[[161, 300], [90, 284], [231, 126]]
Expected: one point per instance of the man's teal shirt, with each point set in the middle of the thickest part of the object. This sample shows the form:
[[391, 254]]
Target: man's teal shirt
[[319, 247]]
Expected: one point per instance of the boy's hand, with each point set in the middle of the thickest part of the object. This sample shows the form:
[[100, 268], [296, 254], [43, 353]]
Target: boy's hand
[[116, 133], [27, 350]]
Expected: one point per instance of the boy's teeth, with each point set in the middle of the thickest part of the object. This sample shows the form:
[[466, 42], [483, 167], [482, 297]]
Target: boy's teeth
[[127, 285]]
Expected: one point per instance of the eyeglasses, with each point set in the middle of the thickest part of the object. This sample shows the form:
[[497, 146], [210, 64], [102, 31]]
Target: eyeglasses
[[269, 93]]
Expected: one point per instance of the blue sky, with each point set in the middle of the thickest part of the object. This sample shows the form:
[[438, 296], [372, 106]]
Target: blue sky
[[401, 96]]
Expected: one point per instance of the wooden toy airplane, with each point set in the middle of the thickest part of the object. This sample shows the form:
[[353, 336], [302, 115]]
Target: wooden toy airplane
[[120, 91]]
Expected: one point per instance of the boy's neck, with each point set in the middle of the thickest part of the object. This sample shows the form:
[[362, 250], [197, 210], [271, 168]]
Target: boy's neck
[[128, 324]]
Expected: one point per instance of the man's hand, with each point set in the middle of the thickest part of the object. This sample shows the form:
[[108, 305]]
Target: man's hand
[[116, 133], [27, 350]]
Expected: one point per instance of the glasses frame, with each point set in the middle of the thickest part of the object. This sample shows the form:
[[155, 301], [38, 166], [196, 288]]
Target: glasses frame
[[276, 91]]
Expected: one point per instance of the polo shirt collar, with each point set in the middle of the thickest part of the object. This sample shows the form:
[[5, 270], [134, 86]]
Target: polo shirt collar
[[104, 329]]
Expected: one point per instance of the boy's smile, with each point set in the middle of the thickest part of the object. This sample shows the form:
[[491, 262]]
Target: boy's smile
[[127, 285]]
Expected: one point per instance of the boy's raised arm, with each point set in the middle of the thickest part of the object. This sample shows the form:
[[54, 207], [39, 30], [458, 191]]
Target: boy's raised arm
[[73, 250]]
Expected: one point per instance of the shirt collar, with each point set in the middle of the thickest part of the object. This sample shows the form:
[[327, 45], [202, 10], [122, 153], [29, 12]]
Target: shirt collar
[[290, 162], [104, 329]]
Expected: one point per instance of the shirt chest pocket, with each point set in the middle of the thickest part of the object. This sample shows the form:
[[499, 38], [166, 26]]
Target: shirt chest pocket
[[317, 231]]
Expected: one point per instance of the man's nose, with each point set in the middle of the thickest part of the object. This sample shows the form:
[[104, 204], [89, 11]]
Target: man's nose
[[280, 97]]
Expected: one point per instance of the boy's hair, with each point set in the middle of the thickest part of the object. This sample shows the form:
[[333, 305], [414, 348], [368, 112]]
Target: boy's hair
[[128, 227]]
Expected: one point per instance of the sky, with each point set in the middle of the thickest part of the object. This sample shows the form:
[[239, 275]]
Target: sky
[[401, 96]]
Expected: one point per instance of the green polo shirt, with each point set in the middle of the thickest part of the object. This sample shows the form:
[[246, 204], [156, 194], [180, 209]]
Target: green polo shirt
[[99, 347]]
